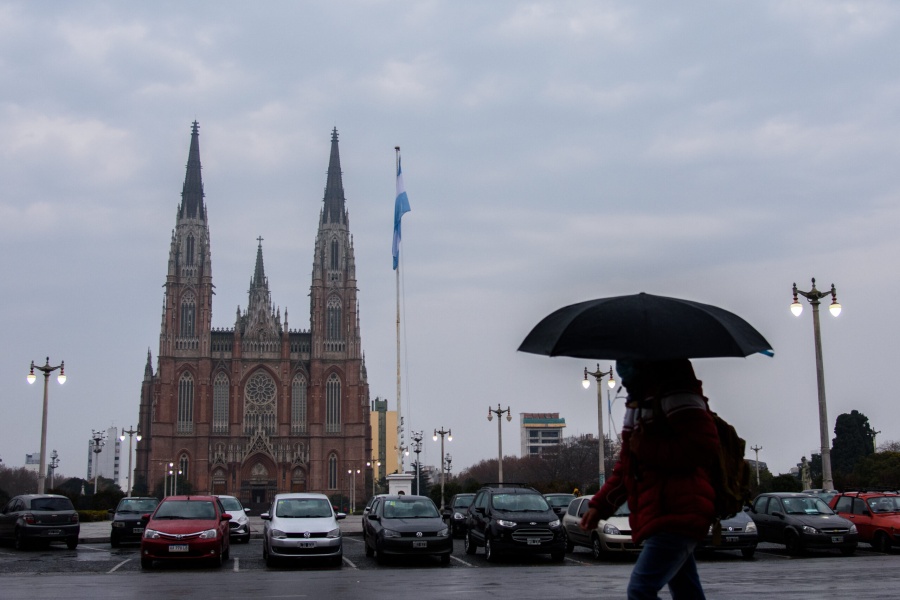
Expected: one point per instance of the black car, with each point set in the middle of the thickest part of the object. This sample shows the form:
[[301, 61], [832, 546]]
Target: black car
[[128, 519], [802, 521], [738, 533], [39, 519], [406, 525], [513, 520], [456, 512]]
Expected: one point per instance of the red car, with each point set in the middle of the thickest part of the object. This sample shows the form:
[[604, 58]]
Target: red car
[[875, 514], [186, 528]]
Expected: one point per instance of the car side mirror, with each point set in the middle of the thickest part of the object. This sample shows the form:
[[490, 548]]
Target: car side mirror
[[265, 516], [146, 516], [340, 515], [374, 517], [226, 517], [111, 511], [247, 511], [778, 514]]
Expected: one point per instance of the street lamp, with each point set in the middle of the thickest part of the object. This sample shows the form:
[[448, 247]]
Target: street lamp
[[417, 448], [61, 378], [352, 473], [499, 412], [98, 439], [598, 375], [442, 432], [51, 466], [813, 296], [132, 434], [376, 465]]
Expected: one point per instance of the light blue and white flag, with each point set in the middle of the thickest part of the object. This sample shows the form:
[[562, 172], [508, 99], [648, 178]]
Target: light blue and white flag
[[401, 206]]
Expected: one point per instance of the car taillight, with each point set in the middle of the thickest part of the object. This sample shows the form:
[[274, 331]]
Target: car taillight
[[28, 518]]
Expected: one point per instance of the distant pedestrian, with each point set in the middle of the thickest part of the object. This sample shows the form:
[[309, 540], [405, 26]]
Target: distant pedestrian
[[669, 443]]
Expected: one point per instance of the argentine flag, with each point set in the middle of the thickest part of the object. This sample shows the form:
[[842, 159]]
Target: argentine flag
[[401, 206]]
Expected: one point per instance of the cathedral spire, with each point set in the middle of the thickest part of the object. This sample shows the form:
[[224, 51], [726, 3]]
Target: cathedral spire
[[259, 274], [192, 192], [334, 187]]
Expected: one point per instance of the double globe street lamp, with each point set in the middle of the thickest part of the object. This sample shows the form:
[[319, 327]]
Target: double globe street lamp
[[61, 378], [813, 296], [442, 432], [136, 436], [598, 375], [499, 412]]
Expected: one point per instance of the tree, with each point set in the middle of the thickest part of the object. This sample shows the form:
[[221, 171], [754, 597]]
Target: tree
[[853, 441], [786, 482], [879, 471]]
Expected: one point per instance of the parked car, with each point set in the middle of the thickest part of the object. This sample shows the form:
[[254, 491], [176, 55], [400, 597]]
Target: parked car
[[875, 514], [738, 533], [239, 525], [456, 513], [369, 504], [406, 525], [302, 526], [801, 522], [32, 519], [186, 528], [825, 495], [513, 520], [129, 519], [559, 502], [611, 536]]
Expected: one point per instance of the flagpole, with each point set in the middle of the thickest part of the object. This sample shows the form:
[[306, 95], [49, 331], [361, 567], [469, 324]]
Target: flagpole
[[399, 404]]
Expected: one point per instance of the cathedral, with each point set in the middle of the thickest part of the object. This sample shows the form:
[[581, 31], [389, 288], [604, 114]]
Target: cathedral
[[258, 408]]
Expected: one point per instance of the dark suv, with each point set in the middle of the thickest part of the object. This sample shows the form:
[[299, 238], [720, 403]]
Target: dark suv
[[128, 519], [513, 520]]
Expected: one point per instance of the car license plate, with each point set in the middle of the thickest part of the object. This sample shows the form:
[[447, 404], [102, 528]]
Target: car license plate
[[137, 530], [307, 544], [731, 540], [178, 547], [534, 541], [837, 539], [54, 532], [420, 544]]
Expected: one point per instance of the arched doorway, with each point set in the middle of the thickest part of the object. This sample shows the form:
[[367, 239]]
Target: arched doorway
[[298, 480], [258, 483]]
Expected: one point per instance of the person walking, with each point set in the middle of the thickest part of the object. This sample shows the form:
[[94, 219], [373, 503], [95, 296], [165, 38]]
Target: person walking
[[669, 446]]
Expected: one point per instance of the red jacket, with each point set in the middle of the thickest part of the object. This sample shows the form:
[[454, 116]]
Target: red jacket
[[663, 468]]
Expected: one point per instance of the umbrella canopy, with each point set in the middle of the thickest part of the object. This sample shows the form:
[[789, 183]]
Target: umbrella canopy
[[643, 327]]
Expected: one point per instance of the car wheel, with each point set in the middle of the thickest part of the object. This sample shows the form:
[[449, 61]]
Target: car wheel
[[569, 545], [380, 557], [338, 561], [146, 563], [748, 552], [596, 547], [489, 552], [881, 542], [445, 560], [114, 541], [217, 560], [226, 554], [468, 544], [71, 543], [370, 551], [792, 543], [21, 542]]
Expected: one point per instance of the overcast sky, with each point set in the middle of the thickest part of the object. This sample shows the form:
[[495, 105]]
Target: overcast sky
[[553, 152]]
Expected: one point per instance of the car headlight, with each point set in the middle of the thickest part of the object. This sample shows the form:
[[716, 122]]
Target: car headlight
[[390, 533], [334, 533], [505, 523], [553, 524], [242, 520], [277, 533], [151, 534], [610, 529], [118, 524], [852, 528], [444, 532], [810, 530], [458, 516], [751, 527], [209, 534]]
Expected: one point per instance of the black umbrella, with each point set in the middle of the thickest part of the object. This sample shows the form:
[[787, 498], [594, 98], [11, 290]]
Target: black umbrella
[[643, 327]]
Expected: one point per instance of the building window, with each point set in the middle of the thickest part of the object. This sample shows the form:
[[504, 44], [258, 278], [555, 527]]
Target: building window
[[332, 471], [333, 319], [189, 254], [335, 255], [259, 404], [185, 422], [183, 467], [333, 404], [220, 404], [187, 316], [298, 405]]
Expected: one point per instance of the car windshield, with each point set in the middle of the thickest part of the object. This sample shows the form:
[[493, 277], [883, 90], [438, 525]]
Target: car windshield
[[302, 508], [560, 501], [186, 509], [231, 503], [885, 504], [520, 502], [805, 506], [463, 501], [410, 508], [51, 504], [137, 505]]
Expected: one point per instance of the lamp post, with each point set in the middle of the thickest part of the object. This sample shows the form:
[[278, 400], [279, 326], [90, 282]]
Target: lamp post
[[51, 466], [756, 449], [448, 460], [813, 296], [598, 375], [442, 432], [97, 449], [132, 434], [61, 378], [499, 412], [375, 464], [352, 473], [417, 448]]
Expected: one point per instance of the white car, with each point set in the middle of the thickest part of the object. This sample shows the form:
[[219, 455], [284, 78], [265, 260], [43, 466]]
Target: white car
[[302, 526], [611, 536], [240, 523]]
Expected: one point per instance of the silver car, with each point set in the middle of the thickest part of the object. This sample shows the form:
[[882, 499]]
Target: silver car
[[612, 536], [302, 526], [240, 522]]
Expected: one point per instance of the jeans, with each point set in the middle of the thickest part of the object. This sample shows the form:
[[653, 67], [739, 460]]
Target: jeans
[[666, 558]]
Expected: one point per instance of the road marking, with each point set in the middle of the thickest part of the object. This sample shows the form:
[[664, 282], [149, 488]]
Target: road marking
[[349, 562], [237, 564], [84, 547], [457, 559], [115, 568], [577, 562], [350, 539]]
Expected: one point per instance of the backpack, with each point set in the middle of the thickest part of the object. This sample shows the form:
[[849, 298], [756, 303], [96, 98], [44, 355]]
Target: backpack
[[730, 475]]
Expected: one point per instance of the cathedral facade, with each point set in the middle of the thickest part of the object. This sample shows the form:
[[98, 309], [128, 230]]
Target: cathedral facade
[[258, 408]]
